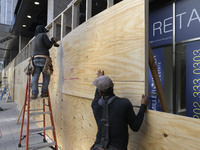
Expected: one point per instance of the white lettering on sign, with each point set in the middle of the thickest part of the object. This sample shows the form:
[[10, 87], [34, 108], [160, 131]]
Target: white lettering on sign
[[180, 19], [157, 26], [169, 24], [166, 26], [194, 16]]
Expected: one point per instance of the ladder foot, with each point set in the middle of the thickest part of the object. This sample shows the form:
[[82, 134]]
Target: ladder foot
[[19, 145], [44, 140]]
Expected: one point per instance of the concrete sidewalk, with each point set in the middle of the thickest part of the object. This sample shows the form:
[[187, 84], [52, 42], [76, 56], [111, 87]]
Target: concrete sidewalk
[[11, 131]]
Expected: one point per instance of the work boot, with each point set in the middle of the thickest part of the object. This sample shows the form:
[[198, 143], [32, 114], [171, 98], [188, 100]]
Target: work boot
[[33, 96], [44, 95]]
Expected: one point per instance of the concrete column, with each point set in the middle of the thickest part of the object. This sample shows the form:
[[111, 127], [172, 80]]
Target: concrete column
[[20, 43], [2, 11], [50, 11], [7, 11]]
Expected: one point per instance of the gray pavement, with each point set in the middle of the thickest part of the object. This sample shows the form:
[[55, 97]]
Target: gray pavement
[[10, 131]]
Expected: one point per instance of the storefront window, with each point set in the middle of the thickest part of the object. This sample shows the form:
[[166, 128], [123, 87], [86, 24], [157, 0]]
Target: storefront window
[[181, 79], [164, 62], [181, 62]]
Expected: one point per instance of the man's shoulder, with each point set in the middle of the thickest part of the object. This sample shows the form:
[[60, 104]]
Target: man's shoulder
[[123, 101], [39, 36]]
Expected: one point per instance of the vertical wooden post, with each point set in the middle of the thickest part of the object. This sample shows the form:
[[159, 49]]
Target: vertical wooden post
[[110, 3], [157, 82], [88, 9]]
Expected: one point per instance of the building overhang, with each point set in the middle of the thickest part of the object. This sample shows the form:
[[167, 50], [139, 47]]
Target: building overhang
[[27, 16]]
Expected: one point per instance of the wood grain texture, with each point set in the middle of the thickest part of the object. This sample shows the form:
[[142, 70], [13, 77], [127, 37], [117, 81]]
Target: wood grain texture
[[114, 41], [76, 127], [167, 132], [20, 83]]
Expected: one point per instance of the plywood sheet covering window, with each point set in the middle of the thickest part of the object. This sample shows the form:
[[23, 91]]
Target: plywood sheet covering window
[[114, 41], [163, 131]]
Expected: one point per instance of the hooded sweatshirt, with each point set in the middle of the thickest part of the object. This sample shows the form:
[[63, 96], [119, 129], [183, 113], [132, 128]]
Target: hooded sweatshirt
[[41, 43]]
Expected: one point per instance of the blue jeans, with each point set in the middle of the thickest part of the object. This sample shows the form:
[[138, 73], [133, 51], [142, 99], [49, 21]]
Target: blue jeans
[[38, 66]]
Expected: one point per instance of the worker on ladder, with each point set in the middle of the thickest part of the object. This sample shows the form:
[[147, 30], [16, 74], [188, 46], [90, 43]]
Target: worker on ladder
[[41, 60]]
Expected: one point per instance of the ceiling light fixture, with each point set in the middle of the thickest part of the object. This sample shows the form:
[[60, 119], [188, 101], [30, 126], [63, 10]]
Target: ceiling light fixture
[[36, 3], [28, 16], [24, 25]]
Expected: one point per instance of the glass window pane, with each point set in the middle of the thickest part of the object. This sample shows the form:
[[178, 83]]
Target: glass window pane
[[181, 78]]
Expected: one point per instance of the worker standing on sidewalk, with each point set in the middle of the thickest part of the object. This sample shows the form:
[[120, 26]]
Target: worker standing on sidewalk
[[41, 61], [113, 115]]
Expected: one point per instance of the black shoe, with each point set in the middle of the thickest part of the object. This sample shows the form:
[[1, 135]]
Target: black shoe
[[33, 96], [44, 95]]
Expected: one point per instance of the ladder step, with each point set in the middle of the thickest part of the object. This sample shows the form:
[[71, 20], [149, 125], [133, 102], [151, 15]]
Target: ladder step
[[39, 98], [39, 113], [34, 133], [36, 109], [40, 129], [41, 145]]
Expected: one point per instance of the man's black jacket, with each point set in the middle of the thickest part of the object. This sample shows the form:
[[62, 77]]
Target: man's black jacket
[[42, 44], [121, 114]]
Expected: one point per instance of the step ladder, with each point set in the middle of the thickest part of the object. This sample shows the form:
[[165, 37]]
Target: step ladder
[[6, 90], [35, 112]]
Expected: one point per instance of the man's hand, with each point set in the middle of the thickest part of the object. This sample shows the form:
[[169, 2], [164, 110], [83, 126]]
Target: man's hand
[[54, 39], [145, 100], [100, 73]]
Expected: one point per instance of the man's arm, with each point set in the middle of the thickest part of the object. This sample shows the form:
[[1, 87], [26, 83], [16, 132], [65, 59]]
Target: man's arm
[[48, 43], [135, 121]]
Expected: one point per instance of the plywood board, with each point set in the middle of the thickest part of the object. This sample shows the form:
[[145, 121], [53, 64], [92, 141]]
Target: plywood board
[[20, 83], [167, 132], [11, 78], [114, 41], [131, 90], [76, 128]]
